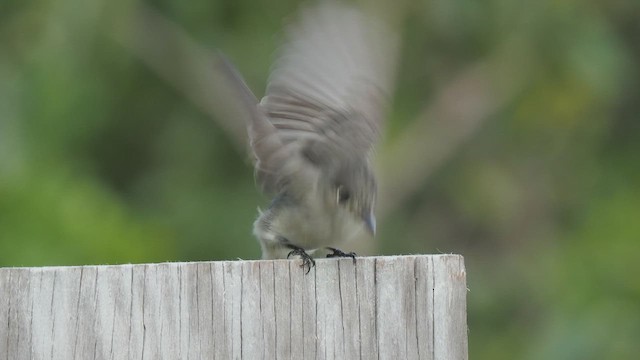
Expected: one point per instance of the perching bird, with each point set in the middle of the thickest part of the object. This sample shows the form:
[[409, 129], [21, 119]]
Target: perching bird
[[313, 133]]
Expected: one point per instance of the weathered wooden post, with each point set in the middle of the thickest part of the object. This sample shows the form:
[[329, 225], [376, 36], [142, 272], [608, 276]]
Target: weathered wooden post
[[399, 307]]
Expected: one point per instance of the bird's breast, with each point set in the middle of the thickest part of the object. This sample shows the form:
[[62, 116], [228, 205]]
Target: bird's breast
[[312, 227]]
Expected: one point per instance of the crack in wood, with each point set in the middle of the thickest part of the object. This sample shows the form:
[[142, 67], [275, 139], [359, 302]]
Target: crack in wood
[[368, 311]]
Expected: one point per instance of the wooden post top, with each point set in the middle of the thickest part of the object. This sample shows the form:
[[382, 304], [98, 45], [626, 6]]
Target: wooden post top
[[388, 307]]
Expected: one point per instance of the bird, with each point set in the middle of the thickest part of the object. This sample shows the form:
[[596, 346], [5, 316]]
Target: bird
[[314, 132]]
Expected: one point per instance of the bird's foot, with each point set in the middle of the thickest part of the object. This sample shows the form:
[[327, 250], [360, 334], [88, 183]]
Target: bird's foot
[[307, 260], [339, 253]]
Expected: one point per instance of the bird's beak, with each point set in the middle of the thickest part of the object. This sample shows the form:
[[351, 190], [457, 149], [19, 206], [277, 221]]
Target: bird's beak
[[370, 222]]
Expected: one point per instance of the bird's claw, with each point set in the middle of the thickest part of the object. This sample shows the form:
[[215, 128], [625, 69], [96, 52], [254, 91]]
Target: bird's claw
[[337, 253], [307, 260]]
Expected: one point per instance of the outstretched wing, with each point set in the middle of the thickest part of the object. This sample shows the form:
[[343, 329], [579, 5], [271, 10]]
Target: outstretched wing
[[269, 151], [327, 94]]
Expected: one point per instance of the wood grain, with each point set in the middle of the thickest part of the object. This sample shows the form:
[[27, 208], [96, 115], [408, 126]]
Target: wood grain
[[399, 307]]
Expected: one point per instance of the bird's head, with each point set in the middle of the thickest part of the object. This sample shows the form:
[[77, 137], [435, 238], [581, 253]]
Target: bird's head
[[354, 189]]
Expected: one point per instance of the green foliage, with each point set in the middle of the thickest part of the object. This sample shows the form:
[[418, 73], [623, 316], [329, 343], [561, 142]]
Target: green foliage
[[103, 159]]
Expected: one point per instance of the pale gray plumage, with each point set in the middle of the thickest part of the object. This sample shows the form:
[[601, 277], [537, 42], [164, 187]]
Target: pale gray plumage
[[313, 133]]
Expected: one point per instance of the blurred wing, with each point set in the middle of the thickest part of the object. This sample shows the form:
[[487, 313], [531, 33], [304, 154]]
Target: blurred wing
[[327, 93], [270, 154]]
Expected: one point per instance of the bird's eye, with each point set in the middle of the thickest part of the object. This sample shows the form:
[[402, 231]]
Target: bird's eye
[[343, 195]]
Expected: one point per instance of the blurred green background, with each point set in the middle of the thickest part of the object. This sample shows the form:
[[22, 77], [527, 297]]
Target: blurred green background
[[513, 139]]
